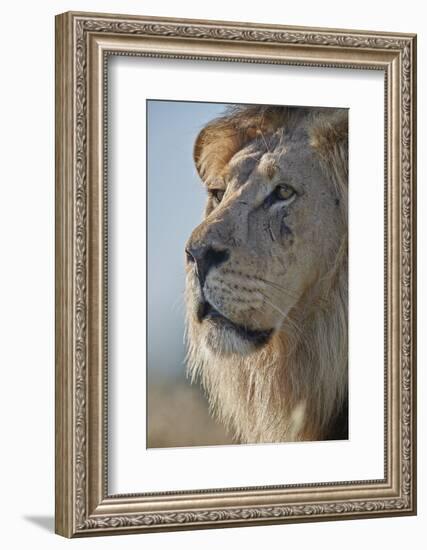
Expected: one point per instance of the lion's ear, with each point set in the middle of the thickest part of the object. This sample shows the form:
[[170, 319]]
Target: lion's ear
[[214, 147], [198, 150], [329, 138]]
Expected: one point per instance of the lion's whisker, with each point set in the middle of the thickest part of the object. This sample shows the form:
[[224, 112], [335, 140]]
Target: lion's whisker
[[281, 288], [276, 286], [287, 319], [178, 303]]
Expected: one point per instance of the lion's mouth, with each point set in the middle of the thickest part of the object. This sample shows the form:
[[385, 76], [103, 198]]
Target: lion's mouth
[[258, 338]]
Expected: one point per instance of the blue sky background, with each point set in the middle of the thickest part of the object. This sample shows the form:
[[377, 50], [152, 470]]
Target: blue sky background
[[175, 206]]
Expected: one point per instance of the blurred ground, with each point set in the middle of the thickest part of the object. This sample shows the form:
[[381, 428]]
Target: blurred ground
[[178, 416]]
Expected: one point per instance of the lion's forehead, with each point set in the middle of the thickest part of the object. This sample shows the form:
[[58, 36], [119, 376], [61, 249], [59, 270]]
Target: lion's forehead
[[287, 158], [243, 164]]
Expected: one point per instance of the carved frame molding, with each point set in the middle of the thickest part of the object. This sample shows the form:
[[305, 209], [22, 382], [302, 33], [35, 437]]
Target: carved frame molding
[[83, 43]]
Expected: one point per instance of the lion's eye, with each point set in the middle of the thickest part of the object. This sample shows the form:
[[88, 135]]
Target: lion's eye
[[217, 194], [284, 192]]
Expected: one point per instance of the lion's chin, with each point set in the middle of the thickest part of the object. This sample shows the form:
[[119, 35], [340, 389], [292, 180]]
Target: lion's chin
[[225, 337]]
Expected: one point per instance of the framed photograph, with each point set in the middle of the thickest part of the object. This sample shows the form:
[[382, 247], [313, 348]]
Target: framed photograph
[[235, 274]]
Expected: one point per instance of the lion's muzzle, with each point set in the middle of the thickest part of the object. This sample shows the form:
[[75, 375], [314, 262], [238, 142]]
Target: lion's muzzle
[[205, 257]]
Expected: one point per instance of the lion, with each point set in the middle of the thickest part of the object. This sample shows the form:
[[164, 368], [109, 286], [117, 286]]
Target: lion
[[267, 273]]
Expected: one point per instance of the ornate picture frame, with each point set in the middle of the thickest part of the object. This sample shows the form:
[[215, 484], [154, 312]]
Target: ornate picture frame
[[84, 42]]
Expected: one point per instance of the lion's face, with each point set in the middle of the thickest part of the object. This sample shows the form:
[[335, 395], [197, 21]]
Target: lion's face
[[272, 228]]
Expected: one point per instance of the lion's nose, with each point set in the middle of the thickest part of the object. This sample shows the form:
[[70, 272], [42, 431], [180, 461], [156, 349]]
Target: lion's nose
[[205, 257]]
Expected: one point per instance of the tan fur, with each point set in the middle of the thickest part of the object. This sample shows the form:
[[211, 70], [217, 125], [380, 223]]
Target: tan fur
[[294, 386]]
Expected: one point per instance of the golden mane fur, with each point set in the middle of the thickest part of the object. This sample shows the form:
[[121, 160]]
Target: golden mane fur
[[294, 387]]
